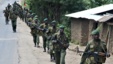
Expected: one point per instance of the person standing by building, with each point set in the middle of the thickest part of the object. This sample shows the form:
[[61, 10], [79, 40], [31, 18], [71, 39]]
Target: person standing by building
[[96, 51]]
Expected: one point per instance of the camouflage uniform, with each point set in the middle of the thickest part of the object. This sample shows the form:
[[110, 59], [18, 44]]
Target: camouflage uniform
[[51, 30], [6, 14], [13, 18], [94, 48], [34, 34], [61, 43], [44, 27]]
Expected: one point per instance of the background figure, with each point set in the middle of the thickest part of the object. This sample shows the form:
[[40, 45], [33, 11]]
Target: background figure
[[13, 17], [44, 27], [6, 14]]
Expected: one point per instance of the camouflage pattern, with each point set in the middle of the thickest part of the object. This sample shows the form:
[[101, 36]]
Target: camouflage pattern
[[61, 43], [13, 18], [94, 46]]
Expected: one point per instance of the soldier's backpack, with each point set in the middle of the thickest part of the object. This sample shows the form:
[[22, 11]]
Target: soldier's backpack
[[13, 16]]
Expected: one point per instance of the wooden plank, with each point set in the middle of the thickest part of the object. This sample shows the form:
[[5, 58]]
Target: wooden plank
[[110, 23]]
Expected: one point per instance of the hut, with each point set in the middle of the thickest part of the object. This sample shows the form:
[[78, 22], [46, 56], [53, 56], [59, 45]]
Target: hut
[[83, 22]]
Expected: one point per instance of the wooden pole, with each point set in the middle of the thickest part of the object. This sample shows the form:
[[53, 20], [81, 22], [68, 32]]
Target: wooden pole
[[108, 42]]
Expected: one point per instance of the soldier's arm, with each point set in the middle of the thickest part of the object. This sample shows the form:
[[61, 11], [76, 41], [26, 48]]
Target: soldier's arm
[[104, 50], [66, 44]]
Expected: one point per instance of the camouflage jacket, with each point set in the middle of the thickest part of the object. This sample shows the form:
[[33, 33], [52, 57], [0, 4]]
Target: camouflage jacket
[[60, 42], [13, 15], [92, 47]]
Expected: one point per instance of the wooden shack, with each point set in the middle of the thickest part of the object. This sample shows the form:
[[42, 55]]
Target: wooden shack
[[83, 22]]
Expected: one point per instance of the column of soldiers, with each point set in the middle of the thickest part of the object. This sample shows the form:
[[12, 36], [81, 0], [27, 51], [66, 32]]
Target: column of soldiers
[[55, 41], [11, 12]]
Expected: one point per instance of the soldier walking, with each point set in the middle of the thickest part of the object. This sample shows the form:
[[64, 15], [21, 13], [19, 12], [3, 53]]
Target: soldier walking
[[51, 31], [44, 27], [6, 14], [13, 17], [61, 43]]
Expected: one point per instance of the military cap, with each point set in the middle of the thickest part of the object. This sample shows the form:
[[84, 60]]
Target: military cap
[[36, 16], [94, 32], [45, 19], [33, 14], [62, 26], [30, 19], [53, 21], [97, 30]]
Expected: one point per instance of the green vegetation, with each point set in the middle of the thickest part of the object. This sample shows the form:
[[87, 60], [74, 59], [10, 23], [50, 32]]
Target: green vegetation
[[56, 9]]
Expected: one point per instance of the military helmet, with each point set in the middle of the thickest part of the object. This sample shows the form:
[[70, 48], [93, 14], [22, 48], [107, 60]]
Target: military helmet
[[94, 32], [53, 21], [36, 16], [62, 27], [30, 19], [33, 14], [45, 19], [97, 30]]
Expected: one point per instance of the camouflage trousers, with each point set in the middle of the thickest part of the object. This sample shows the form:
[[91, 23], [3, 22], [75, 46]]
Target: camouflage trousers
[[14, 25], [36, 40], [60, 57]]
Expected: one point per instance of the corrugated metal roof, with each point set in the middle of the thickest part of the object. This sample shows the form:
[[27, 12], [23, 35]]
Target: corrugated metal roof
[[105, 18], [89, 14]]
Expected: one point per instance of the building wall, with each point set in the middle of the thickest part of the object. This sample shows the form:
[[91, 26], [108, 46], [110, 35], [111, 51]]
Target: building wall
[[76, 30], [80, 30], [91, 25], [111, 40], [85, 31], [103, 34]]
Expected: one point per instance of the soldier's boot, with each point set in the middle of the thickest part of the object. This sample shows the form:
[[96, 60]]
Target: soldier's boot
[[14, 28], [35, 45], [44, 50], [34, 40], [7, 20], [52, 57], [44, 46]]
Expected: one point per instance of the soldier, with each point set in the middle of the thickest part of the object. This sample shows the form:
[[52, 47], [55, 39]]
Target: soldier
[[13, 17], [6, 14], [96, 51], [34, 34], [44, 27], [37, 29], [9, 6], [51, 30], [48, 36], [25, 11], [61, 43]]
